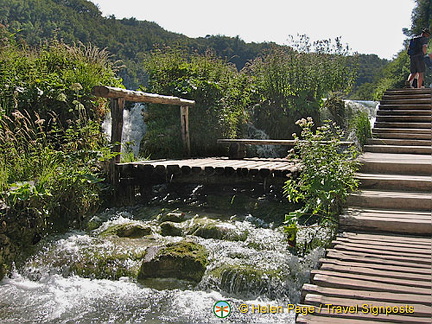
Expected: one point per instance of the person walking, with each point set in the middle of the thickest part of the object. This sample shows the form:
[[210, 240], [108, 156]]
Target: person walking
[[416, 51]]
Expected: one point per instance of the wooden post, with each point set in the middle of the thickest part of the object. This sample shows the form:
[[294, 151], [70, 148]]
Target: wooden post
[[184, 119], [117, 105]]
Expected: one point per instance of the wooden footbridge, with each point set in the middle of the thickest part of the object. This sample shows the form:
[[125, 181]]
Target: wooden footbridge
[[380, 269]]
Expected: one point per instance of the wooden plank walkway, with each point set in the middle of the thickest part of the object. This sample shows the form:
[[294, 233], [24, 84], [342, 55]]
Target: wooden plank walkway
[[368, 278], [380, 269], [217, 166]]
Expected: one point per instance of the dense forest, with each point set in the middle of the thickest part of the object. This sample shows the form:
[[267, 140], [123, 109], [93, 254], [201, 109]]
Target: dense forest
[[73, 21]]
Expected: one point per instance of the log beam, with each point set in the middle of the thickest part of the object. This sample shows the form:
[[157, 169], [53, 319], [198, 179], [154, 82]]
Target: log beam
[[139, 96]]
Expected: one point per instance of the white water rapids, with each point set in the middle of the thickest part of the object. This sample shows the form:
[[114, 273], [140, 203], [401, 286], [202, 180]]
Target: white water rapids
[[44, 290]]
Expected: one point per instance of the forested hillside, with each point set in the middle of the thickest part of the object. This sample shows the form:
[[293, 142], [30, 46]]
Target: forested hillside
[[73, 21]]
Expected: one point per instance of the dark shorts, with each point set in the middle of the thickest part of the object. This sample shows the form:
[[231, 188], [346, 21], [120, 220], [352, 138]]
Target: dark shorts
[[417, 64]]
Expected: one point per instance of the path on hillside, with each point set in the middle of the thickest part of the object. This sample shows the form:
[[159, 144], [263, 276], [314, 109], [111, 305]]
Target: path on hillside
[[380, 268]]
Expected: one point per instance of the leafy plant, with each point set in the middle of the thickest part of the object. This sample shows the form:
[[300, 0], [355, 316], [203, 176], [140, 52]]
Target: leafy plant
[[220, 92], [291, 83], [361, 127], [326, 177]]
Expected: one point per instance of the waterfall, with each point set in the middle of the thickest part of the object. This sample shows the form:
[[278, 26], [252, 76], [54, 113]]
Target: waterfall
[[134, 128], [261, 150], [371, 107]]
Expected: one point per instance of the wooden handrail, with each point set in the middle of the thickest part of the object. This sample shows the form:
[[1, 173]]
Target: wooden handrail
[[254, 141]]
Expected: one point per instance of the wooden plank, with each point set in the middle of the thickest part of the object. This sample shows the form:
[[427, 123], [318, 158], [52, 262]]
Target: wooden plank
[[139, 96], [390, 237], [378, 273], [383, 249], [367, 258], [373, 277], [355, 284], [253, 141], [362, 307], [366, 295], [360, 319], [317, 319], [377, 266], [393, 244]]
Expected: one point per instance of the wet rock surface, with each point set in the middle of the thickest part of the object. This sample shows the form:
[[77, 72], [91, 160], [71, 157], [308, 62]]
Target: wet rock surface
[[182, 260]]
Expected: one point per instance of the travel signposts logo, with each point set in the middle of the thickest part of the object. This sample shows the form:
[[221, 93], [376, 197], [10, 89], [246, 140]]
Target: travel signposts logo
[[222, 309]]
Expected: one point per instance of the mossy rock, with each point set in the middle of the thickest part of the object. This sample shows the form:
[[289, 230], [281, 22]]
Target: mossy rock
[[131, 230], [102, 266], [171, 229], [122, 257], [175, 217], [211, 229], [183, 260]]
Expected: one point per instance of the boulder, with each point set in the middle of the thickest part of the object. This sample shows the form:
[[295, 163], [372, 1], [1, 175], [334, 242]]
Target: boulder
[[176, 217], [208, 228], [131, 230], [171, 229], [183, 260]]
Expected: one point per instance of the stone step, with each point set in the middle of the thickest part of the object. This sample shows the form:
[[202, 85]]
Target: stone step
[[395, 182], [391, 200], [376, 220], [389, 163], [409, 125], [398, 149], [404, 118], [400, 142]]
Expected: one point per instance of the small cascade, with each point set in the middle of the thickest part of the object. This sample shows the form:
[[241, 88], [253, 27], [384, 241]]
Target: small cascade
[[371, 107], [261, 150], [89, 276], [134, 128]]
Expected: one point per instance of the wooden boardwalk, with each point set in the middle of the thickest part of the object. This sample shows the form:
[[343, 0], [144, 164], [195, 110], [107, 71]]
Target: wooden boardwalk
[[208, 169], [380, 269], [368, 278]]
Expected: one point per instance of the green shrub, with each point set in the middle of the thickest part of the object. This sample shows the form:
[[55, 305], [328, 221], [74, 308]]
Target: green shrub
[[326, 177], [292, 82], [51, 140], [220, 92], [361, 127]]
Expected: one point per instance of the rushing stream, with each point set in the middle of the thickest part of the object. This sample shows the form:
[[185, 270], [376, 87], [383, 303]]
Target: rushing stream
[[93, 276], [90, 276]]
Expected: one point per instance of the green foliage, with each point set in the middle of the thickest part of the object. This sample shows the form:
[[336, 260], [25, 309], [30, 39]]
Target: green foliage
[[326, 176], [220, 93], [51, 143], [369, 71], [292, 82], [361, 127], [421, 17], [393, 75]]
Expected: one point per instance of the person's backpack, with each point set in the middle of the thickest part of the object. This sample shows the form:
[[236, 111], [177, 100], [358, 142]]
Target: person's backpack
[[415, 46]]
